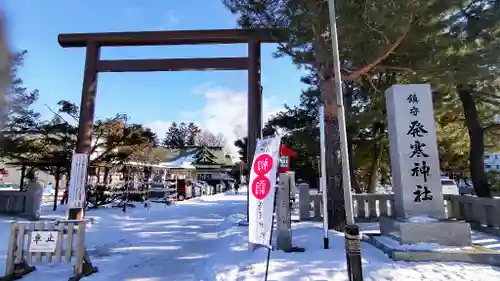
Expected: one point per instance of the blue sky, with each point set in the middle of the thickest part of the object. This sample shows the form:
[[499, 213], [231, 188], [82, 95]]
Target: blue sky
[[214, 99]]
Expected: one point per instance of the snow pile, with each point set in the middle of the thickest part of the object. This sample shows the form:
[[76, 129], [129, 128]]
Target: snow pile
[[422, 219], [394, 244]]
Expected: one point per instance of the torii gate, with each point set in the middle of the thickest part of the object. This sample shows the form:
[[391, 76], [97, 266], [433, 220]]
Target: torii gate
[[93, 42]]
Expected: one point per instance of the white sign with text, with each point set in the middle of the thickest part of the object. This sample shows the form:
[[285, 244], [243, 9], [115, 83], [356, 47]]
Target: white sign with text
[[262, 186], [416, 176], [78, 180], [43, 241], [284, 161]]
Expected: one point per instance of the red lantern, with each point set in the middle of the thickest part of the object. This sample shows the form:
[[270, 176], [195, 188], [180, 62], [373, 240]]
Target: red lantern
[[286, 154]]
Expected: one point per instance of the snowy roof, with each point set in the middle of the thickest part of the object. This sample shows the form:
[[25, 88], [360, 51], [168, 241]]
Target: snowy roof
[[189, 157], [180, 165], [145, 164]]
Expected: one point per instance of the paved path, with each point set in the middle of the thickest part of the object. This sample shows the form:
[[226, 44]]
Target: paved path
[[186, 242]]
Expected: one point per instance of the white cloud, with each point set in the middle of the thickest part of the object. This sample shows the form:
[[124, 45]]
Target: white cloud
[[160, 127], [132, 14], [172, 20], [225, 112], [168, 20]]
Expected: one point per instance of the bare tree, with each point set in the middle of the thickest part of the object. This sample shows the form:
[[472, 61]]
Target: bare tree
[[208, 139], [5, 60]]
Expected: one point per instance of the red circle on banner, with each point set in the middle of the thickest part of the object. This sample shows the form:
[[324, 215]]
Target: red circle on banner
[[261, 187], [263, 164]]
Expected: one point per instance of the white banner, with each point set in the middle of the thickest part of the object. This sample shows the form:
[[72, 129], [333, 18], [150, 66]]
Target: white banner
[[262, 187], [77, 181]]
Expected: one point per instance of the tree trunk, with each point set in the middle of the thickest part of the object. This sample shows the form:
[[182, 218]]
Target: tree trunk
[[64, 199], [106, 175], [348, 105], [352, 161], [476, 138], [335, 194], [375, 161], [373, 179]]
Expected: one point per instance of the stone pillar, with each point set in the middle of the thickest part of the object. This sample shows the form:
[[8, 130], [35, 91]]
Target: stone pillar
[[304, 202], [293, 188], [283, 214], [35, 197], [416, 175], [317, 206]]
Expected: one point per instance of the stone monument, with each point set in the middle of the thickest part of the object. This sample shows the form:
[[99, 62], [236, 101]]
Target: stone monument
[[283, 214], [304, 205], [293, 188], [35, 197], [419, 214]]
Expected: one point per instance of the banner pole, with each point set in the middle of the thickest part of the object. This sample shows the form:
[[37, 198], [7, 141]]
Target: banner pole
[[270, 237]]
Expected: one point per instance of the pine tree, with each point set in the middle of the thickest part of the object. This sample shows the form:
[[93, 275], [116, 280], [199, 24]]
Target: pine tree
[[174, 137]]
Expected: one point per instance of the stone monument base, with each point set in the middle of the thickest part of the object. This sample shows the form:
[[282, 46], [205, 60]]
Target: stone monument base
[[395, 251], [442, 232]]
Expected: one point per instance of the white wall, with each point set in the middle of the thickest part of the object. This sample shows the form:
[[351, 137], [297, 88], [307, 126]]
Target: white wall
[[14, 176], [492, 161]]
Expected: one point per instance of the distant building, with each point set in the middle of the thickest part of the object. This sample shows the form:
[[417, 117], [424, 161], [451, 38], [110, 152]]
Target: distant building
[[492, 161], [11, 177], [196, 163], [199, 163]]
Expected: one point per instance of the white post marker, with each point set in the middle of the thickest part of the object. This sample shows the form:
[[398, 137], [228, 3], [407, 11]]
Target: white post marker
[[262, 185], [78, 180], [43, 241], [321, 116]]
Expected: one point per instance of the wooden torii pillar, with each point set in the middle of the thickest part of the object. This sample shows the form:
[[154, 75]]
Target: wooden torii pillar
[[93, 42]]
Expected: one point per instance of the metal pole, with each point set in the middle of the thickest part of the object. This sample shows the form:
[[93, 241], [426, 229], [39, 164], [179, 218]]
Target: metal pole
[[322, 163], [344, 152], [352, 237], [270, 237]]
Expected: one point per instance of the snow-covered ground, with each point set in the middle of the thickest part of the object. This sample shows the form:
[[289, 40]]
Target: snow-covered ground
[[318, 264], [200, 240]]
